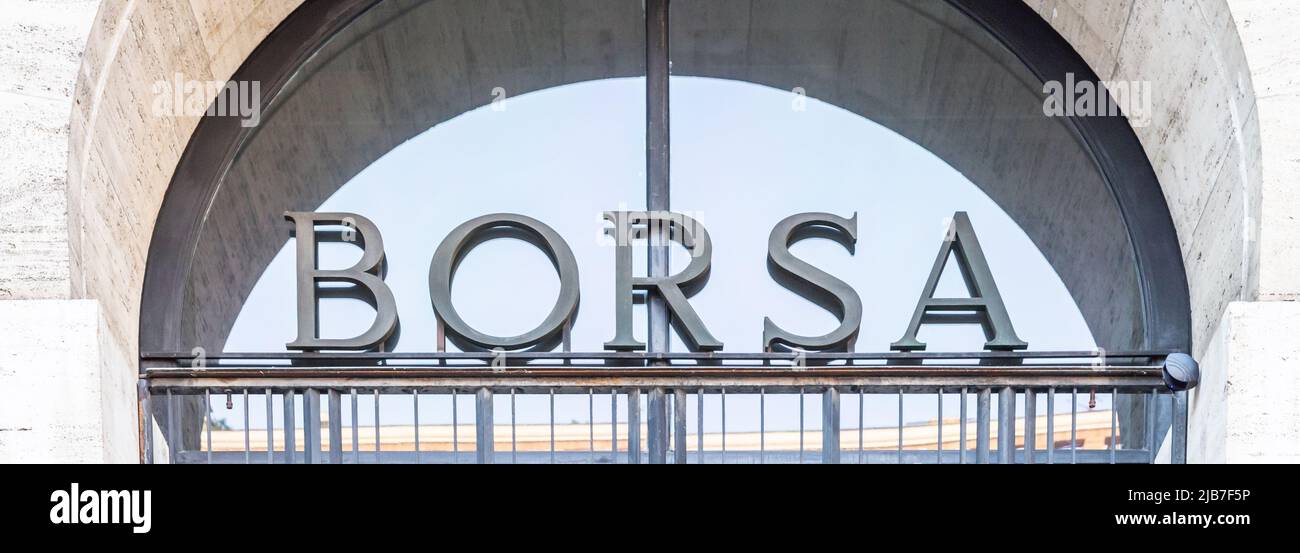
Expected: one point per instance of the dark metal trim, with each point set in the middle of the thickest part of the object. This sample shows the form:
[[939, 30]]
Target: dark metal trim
[[1166, 307], [209, 154]]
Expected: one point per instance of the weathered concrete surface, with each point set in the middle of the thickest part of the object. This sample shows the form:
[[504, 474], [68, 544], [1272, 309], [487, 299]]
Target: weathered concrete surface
[[1272, 50], [40, 47], [63, 400], [1245, 409]]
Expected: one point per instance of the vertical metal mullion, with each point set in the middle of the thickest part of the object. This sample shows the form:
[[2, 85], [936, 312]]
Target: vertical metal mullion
[[145, 413], [173, 444], [377, 440], [415, 407], [658, 192]]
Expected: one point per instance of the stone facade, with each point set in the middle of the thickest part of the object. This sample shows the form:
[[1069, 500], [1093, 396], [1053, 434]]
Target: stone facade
[[92, 165]]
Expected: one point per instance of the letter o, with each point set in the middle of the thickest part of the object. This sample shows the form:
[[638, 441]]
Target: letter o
[[463, 239]]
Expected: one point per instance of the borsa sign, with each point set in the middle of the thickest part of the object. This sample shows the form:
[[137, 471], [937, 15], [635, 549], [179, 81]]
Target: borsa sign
[[984, 306]]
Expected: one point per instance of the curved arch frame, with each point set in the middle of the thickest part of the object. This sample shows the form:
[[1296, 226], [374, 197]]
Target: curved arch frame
[[216, 141]]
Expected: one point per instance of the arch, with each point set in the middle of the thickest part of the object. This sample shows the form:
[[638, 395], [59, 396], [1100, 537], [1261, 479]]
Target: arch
[[123, 161]]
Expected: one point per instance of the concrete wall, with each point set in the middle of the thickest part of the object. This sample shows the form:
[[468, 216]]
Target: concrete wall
[[1229, 192]]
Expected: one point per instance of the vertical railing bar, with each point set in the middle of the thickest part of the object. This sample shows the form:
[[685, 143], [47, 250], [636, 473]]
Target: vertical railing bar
[[1151, 426], [861, 405], [207, 418], [1006, 425], [591, 426], [455, 429], [1051, 425], [679, 426], [484, 427], [699, 431], [613, 426], [514, 438], [415, 402], [248, 452], [634, 426], [356, 440], [552, 396], [270, 427], [983, 408], [801, 424], [311, 419], [336, 426], [900, 426], [1114, 404], [290, 426], [724, 426], [1074, 425], [961, 453], [377, 440], [173, 445], [1178, 430], [762, 426], [831, 426], [940, 448], [1031, 424]]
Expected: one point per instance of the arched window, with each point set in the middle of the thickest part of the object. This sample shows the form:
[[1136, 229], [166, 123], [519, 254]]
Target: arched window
[[896, 115]]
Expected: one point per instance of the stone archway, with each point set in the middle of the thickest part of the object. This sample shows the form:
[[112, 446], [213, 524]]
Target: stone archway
[[122, 158]]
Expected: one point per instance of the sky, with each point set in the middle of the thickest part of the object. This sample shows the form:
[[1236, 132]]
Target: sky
[[744, 156]]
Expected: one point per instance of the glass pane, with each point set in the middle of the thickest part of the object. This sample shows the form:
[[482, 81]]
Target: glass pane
[[421, 116], [903, 113]]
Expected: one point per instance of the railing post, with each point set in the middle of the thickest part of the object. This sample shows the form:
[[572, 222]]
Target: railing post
[[144, 408], [1031, 424], [1006, 426], [831, 426], [657, 426], [982, 415], [679, 427], [336, 427], [634, 426], [484, 433], [1178, 441], [311, 426]]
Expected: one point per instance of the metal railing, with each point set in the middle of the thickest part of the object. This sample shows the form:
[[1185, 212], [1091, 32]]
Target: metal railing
[[657, 392]]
